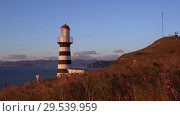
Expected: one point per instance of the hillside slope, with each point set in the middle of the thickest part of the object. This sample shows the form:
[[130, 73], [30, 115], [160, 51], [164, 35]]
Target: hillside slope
[[152, 73], [100, 64], [163, 48]]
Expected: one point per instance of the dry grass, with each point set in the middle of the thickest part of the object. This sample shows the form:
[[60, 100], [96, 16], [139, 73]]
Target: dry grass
[[149, 74]]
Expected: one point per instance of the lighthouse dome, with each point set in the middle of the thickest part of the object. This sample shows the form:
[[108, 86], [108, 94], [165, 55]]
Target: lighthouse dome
[[65, 27]]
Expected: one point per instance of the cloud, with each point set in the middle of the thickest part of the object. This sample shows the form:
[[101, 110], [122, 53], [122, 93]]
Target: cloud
[[80, 56], [83, 55], [50, 58], [87, 52], [118, 51], [86, 55], [17, 56], [32, 58]]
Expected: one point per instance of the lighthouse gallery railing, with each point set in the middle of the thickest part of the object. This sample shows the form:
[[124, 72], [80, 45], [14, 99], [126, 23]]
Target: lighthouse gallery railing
[[62, 39]]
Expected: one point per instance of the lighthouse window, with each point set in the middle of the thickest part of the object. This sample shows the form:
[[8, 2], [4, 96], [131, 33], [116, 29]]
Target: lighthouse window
[[68, 33], [62, 32]]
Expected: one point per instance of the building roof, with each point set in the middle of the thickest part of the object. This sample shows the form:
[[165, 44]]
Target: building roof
[[81, 68], [65, 27]]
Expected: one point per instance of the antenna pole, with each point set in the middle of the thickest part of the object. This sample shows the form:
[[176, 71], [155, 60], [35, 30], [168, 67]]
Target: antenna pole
[[162, 25]]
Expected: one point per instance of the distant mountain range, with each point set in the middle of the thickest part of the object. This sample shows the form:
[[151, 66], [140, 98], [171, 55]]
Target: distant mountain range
[[75, 63], [28, 63]]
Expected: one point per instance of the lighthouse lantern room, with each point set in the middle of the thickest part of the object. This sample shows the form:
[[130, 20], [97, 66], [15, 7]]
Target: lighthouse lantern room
[[64, 41]]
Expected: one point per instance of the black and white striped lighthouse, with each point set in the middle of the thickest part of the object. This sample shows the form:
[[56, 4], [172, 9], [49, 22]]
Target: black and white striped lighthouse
[[64, 52]]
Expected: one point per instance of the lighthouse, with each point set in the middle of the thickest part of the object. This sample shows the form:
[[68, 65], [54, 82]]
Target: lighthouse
[[64, 41]]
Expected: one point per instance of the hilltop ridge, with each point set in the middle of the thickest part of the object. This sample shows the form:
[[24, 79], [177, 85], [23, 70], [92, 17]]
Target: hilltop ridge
[[164, 47]]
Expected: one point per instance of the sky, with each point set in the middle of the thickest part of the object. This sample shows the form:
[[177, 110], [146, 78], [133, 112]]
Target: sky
[[101, 29]]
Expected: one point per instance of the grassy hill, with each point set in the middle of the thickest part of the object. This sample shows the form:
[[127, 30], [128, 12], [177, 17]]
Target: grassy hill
[[152, 73], [163, 48]]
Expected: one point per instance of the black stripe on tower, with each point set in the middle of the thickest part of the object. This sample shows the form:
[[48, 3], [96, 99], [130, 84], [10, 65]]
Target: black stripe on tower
[[64, 62], [64, 53], [62, 71], [65, 44]]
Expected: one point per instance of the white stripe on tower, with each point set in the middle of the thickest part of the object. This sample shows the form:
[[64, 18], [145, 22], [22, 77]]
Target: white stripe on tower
[[64, 57], [63, 66], [64, 49]]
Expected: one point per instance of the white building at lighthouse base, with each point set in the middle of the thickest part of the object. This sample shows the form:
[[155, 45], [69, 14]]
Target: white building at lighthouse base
[[76, 71]]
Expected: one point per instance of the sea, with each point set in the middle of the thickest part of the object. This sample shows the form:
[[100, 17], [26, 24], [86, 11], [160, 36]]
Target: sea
[[16, 75]]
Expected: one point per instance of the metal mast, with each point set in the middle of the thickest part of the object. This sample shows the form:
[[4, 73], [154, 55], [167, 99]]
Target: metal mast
[[162, 25]]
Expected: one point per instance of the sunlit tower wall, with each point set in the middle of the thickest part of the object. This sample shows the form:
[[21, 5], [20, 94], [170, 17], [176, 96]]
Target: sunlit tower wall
[[64, 41]]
